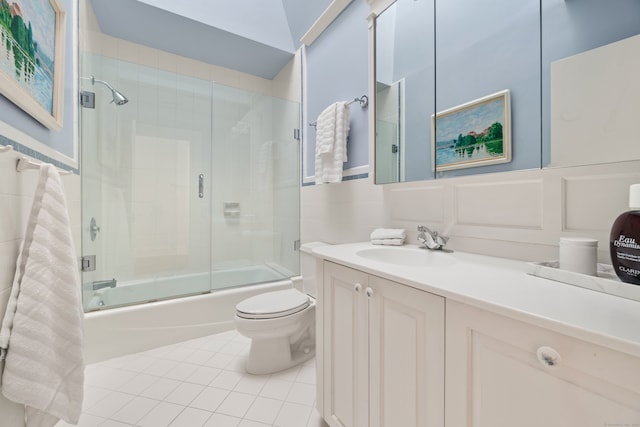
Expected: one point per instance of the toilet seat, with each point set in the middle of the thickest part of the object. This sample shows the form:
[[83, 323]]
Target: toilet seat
[[273, 304]]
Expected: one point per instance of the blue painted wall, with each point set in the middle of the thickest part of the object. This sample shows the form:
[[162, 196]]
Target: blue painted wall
[[337, 70], [61, 141]]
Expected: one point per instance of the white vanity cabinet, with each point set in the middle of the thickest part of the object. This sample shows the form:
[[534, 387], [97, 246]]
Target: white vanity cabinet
[[502, 372], [382, 352]]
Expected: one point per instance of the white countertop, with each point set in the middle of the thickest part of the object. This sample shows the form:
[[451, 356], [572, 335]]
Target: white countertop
[[504, 287]]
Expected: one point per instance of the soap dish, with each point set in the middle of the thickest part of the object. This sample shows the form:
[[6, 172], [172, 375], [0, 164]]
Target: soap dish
[[606, 280]]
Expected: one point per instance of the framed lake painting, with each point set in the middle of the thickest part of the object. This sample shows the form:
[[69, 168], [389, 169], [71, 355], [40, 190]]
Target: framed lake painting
[[32, 57], [477, 133]]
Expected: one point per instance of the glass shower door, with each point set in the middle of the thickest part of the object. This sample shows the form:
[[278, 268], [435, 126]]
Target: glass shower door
[[256, 181], [146, 210]]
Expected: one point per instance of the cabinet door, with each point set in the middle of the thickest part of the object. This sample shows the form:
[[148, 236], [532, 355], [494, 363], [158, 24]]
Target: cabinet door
[[406, 355], [346, 382], [503, 373]]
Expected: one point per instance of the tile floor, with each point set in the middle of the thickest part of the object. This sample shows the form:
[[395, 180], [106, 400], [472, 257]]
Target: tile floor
[[197, 383]]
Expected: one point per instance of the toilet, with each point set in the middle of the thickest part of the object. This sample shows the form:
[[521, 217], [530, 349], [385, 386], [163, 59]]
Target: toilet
[[281, 324]]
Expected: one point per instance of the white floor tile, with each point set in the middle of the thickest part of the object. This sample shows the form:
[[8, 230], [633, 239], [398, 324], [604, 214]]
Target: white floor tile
[[199, 357], [287, 375], [226, 380], [184, 393], [276, 389], [139, 363], [198, 383], [293, 415], [234, 347], [86, 420], [160, 389], [264, 410], [204, 375], [304, 394], [251, 384], [210, 399], [138, 384], [160, 367], [236, 404], [315, 420], [238, 364], [249, 423], [112, 423], [179, 354], [191, 417], [133, 411], [221, 420], [181, 371], [93, 395], [219, 360], [161, 416], [110, 404]]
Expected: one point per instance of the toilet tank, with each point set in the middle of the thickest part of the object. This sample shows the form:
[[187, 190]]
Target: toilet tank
[[308, 266]]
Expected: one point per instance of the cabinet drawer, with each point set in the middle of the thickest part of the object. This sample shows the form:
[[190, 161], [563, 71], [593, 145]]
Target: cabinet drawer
[[504, 372]]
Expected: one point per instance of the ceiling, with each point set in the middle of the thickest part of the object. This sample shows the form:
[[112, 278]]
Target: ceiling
[[257, 37]]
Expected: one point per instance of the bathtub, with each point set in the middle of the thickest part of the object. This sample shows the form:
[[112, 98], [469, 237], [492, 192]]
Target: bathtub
[[128, 329]]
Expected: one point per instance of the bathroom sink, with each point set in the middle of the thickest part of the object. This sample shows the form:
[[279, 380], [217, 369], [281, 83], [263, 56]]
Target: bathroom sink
[[407, 256]]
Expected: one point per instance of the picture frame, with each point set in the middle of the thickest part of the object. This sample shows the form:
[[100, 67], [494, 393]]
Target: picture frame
[[477, 133], [32, 36]]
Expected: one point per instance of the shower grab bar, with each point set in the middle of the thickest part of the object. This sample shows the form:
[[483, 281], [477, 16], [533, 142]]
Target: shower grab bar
[[26, 164], [363, 101]]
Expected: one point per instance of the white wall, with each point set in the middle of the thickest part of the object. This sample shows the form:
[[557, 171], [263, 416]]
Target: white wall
[[518, 215]]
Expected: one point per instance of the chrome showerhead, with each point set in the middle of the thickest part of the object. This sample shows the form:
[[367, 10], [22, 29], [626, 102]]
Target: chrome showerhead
[[118, 97]]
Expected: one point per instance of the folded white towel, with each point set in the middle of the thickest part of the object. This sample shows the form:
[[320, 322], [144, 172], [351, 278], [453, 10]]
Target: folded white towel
[[388, 233], [41, 337], [332, 130], [388, 242]]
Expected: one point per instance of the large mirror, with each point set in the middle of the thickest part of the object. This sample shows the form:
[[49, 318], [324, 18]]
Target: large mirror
[[445, 58]]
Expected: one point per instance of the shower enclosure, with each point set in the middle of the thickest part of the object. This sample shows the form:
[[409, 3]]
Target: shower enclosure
[[188, 186]]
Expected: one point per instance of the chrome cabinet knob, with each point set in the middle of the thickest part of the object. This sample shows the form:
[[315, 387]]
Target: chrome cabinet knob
[[357, 287], [369, 292]]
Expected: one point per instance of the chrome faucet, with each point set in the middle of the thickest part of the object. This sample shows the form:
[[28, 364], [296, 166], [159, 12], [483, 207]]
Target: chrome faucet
[[431, 239], [101, 284]]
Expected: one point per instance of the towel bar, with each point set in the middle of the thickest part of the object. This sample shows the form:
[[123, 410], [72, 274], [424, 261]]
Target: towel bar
[[363, 101], [26, 164], [5, 148]]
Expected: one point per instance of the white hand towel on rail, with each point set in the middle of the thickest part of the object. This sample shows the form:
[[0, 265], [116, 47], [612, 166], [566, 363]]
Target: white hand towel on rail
[[332, 130], [42, 333]]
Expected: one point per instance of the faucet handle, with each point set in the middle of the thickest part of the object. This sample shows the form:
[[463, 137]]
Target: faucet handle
[[422, 228]]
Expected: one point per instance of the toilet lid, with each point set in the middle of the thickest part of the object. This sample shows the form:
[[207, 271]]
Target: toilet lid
[[273, 304]]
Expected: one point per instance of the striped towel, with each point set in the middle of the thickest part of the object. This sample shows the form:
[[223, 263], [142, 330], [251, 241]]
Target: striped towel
[[332, 130], [41, 337]]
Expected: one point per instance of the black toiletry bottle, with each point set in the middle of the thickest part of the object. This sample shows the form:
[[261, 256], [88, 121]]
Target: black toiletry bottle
[[624, 241]]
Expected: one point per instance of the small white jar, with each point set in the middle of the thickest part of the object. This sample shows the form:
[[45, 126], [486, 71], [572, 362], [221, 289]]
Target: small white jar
[[579, 254]]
